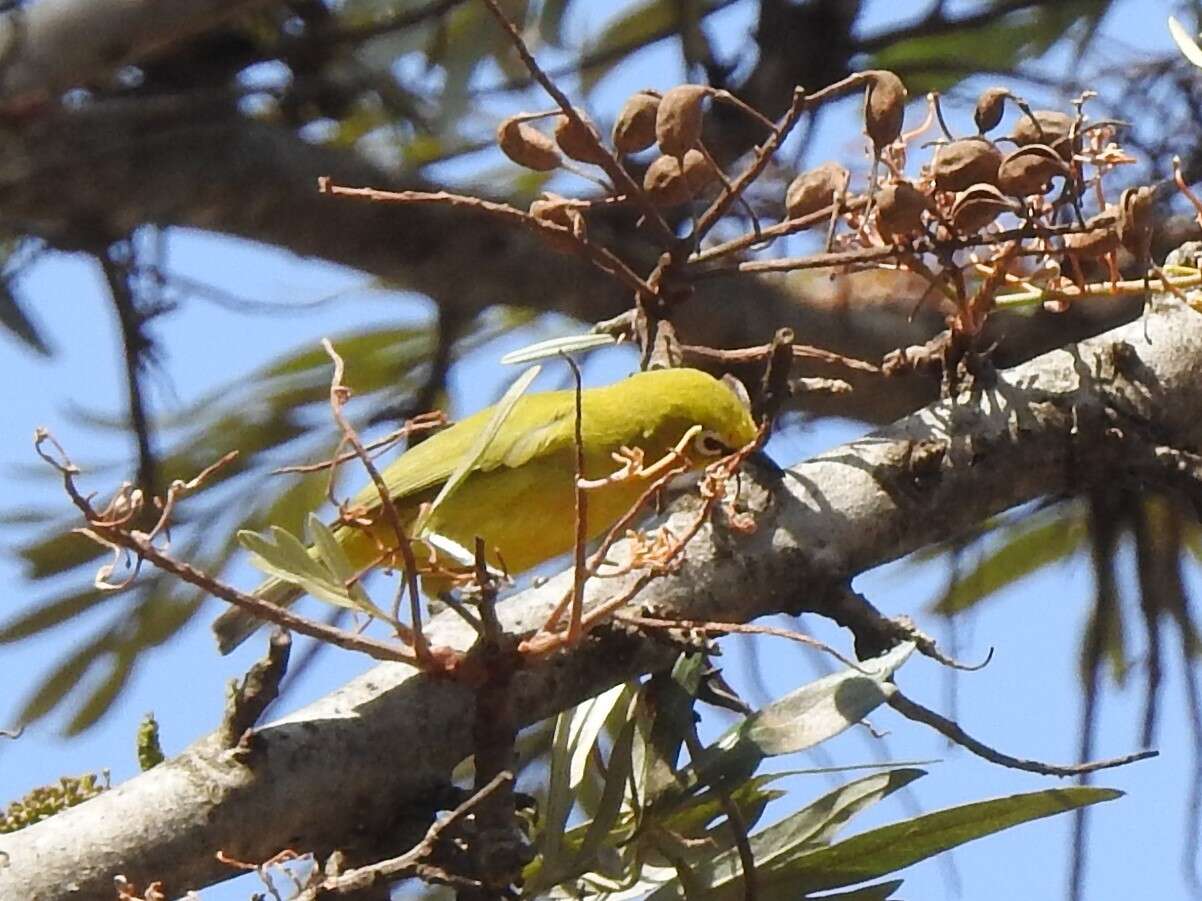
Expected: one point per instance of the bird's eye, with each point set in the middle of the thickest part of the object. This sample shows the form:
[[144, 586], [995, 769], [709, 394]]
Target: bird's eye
[[709, 445]]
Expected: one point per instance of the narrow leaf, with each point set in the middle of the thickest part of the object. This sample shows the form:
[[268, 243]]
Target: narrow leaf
[[500, 413], [891, 848], [556, 346]]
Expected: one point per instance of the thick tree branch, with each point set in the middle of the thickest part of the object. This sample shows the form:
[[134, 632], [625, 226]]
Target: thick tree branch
[[1040, 429], [49, 46]]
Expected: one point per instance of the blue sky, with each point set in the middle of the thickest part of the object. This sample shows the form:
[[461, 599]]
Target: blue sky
[[1027, 701]]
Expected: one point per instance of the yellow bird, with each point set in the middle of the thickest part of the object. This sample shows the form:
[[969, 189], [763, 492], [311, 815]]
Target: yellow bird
[[519, 495]]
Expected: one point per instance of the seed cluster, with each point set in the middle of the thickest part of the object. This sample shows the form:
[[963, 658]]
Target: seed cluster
[[986, 219]]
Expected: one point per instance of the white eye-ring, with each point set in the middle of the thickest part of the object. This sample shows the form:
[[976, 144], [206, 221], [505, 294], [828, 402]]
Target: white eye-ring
[[708, 444]]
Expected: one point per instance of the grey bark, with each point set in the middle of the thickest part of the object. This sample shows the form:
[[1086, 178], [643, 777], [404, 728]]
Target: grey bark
[[363, 761]]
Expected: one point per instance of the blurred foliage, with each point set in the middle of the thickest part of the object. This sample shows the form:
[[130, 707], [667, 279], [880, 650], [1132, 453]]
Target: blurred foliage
[[275, 416], [48, 800]]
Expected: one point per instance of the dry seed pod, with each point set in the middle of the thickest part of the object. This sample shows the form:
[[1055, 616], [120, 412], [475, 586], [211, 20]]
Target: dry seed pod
[[1097, 242], [635, 128], [664, 181], [990, 106], [699, 172], [814, 189], [678, 119], [1136, 206], [1050, 127], [581, 144], [977, 206], [884, 109], [1030, 170], [900, 206], [964, 163], [526, 145]]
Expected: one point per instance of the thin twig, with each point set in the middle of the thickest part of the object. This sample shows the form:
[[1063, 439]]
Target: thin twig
[[338, 396], [136, 345], [599, 256], [715, 628], [914, 711], [414, 861], [606, 158], [137, 543]]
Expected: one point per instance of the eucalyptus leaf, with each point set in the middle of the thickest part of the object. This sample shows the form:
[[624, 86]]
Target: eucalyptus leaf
[[554, 347], [878, 852], [799, 720]]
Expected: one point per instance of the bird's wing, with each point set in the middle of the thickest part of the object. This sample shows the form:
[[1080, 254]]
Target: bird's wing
[[429, 464]]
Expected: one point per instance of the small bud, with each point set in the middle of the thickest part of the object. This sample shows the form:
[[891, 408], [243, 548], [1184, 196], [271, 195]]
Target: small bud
[[679, 118], [964, 163], [990, 107], [581, 144], [900, 206], [526, 145], [634, 129], [814, 189], [884, 109]]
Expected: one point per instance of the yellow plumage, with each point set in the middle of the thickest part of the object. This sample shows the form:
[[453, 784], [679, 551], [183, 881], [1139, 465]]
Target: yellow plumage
[[519, 496]]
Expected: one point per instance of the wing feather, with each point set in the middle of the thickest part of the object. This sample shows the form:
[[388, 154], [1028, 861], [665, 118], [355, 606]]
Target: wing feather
[[428, 465]]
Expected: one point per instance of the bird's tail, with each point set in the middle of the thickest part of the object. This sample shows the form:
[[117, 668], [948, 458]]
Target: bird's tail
[[236, 625]]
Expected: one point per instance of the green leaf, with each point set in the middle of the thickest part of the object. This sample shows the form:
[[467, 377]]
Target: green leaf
[[888, 849], [500, 413], [64, 679], [576, 733], [49, 613], [998, 44], [1033, 544], [790, 839], [879, 892], [284, 557], [801, 719], [617, 777]]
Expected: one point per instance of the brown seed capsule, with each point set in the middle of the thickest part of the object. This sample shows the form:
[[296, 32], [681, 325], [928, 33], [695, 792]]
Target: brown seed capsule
[[679, 117], [699, 172], [581, 144], [634, 129], [900, 206], [977, 206], [967, 162], [526, 145], [1030, 170], [1136, 208], [990, 106], [1050, 127], [884, 109], [814, 189], [665, 183], [1097, 242]]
